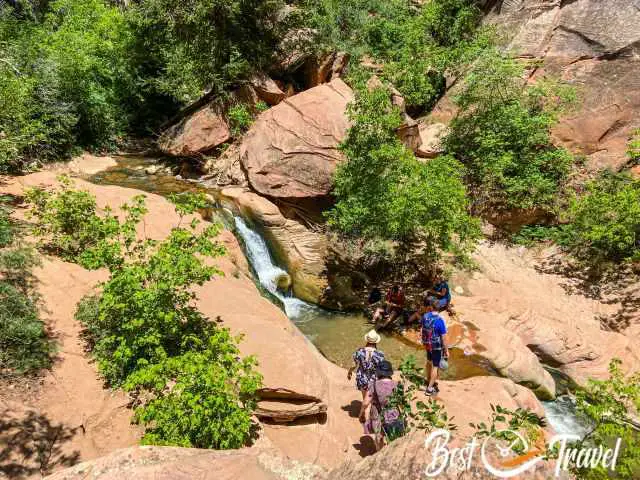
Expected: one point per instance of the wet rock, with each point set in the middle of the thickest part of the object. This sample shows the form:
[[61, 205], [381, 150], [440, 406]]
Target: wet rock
[[300, 250]]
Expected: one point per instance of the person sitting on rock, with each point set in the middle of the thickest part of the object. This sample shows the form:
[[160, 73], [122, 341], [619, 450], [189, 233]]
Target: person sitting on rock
[[434, 339], [440, 293], [365, 361], [394, 307], [381, 419]]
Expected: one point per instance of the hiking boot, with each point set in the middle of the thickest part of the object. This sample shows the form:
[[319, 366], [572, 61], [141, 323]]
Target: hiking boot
[[430, 391], [436, 387]]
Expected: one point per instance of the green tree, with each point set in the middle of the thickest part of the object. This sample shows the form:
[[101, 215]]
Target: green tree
[[197, 45], [501, 135], [383, 191], [416, 45], [194, 388], [604, 221], [608, 405]]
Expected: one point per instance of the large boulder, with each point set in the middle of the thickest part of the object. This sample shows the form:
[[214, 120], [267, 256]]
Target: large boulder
[[291, 151], [196, 134], [593, 45]]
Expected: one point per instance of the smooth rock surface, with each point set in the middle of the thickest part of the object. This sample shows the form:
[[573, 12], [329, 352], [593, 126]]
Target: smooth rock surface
[[198, 133], [291, 151]]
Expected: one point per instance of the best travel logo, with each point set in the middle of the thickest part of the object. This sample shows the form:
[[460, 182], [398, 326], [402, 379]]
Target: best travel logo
[[498, 456]]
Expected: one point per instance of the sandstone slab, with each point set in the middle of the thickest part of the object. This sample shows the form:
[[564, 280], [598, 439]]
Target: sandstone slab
[[291, 151], [198, 133]]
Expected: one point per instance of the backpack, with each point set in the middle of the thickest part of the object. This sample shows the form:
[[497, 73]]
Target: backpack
[[429, 340], [392, 422]]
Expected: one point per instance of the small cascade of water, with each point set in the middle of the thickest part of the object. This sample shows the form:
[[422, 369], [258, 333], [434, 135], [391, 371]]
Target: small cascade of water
[[561, 415], [268, 272]]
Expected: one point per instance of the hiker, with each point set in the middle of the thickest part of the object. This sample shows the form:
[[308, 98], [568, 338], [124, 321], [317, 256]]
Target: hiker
[[394, 306], [440, 292], [434, 339], [382, 421], [366, 360]]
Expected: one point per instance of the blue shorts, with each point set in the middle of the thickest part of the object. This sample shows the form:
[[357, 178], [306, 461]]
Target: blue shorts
[[434, 356], [441, 303]]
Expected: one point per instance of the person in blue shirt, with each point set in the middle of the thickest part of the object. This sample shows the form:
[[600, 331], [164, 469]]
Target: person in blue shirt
[[434, 339], [440, 293]]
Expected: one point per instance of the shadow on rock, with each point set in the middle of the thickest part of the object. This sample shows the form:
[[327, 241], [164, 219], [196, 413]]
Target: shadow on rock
[[30, 444]]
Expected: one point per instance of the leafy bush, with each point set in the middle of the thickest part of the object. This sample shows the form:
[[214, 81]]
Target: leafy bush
[[146, 333], [65, 79], [501, 135], [416, 45], [633, 150], [608, 406], [197, 45], [604, 222], [240, 119], [383, 191], [203, 398], [416, 413], [67, 219], [24, 345]]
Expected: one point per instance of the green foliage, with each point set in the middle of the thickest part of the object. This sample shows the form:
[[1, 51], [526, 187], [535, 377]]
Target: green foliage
[[197, 45], [202, 398], [67, 220], [604, 222], [144, 329], [24, 345], [608, 406], [64, 79], [416, 45], [240, 119], [633, 150], [383, 191], [416, 413], [501, 134], [505, 422]]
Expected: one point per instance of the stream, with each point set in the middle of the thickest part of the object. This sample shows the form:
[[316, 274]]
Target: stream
[[335, 334]]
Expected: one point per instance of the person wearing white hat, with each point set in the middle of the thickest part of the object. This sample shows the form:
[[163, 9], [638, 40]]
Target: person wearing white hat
[[365, 361]]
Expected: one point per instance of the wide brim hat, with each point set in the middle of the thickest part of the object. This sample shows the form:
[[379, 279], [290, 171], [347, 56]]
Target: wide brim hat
[[372, 337], [384, 369]]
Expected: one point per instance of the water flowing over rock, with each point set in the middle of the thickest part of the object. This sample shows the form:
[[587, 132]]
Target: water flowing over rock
[[291, 151], [298, 248]]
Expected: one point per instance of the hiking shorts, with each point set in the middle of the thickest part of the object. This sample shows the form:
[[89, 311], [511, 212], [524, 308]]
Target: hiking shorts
[[434, 356]]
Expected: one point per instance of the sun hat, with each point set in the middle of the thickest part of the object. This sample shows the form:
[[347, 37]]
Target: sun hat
[[372, 337], [384, 369]]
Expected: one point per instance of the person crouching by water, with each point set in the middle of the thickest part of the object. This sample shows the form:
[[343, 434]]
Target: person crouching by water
[[366, 359], [394, 306], [434, 339], [379, 417], [440, 292]]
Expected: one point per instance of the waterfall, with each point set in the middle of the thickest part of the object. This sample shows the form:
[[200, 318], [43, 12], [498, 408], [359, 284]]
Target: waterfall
[[268, 272], [561, 415]]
